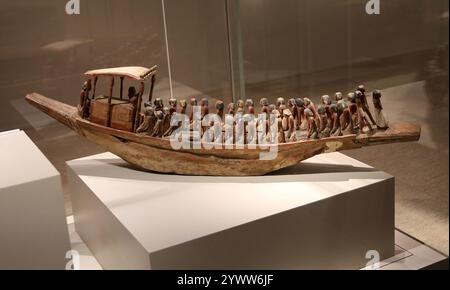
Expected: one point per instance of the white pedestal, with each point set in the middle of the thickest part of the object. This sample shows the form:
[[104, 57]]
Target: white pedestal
[[325, 213], [33, 229]]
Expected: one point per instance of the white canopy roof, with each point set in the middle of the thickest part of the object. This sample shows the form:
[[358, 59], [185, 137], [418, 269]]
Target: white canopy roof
[[135, 72]]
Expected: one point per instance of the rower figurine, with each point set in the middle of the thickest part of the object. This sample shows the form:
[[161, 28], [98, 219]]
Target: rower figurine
[[250, 106], [158, 128], [183, 106], [173, 105], [193, 103], [381, 120], [312, 126], [325, 123], [338, 97], [334, 121], [301, 120], [365, 104], [85, 102], [220, 107], [240, 107], [149, 120], [264, 102], [231, 109], [362, 117]]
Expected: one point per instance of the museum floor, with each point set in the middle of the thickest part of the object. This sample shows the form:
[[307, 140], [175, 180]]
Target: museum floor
[[415, 90]]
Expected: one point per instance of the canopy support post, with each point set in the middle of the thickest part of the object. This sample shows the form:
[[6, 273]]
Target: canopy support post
[[95, 87], [150, 94], [108, 120], [138, 108], [121, 87]]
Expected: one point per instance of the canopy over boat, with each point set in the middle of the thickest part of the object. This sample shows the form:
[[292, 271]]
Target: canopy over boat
[[137, 73]]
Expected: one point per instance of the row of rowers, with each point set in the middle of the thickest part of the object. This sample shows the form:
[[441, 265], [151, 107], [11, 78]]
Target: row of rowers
[[333, 117]]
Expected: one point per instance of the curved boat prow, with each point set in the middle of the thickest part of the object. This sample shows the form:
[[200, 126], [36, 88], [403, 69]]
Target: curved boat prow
[[62, 112]]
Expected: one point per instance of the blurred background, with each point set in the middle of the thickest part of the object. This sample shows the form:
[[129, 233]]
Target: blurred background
[[238, 49]]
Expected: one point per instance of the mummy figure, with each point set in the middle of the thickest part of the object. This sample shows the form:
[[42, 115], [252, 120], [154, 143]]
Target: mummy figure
[[380, 118]]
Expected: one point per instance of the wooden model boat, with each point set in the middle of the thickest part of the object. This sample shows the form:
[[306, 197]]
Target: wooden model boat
[[114, 124]]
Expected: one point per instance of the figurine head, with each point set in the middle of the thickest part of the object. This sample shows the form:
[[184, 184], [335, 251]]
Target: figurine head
[[264, 102], [299, 103], [231, 108], [376, 94], [326, 100], [84, 87], [220, 106], [280, 102], [131, 92], [158, 104], [183, 104], [272, 109], [173, 102], [204, 102], [159, 115], [149, 111], [351, 97], [358, 95], [308, 113], [166, 111], [193, 102], [291, 103], [334, 108], [341, 105], [338, 96], [249, 103], [240, 104], [362, 89], [321, 110], [307, 101]]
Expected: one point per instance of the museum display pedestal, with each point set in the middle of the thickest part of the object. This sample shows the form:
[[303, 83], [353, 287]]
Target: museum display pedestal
[[326, 213], [33, 229]]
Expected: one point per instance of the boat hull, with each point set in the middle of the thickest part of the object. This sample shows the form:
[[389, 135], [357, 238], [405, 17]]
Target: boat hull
[[156, 154]]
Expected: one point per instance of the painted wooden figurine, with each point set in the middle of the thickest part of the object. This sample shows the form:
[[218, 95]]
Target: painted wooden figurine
[[380, 118]]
